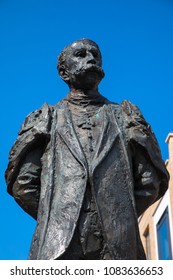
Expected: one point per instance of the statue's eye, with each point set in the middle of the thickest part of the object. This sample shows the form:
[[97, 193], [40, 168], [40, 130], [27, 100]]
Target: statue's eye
[[95, 53], [80, 53]]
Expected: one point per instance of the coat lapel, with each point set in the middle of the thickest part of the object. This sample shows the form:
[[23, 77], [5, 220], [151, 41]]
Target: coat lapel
[[107, 137], [67, 132]]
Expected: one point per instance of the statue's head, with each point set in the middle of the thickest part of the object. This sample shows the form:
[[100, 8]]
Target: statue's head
[[80, 65]]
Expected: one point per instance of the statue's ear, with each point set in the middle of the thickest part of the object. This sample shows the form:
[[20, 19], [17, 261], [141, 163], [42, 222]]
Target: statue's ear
[[63, 72]]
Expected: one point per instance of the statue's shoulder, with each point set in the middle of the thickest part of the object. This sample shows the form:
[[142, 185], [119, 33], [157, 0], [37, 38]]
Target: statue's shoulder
[[127, 113], [125, 106], [40, 119], [131, 109], [113, 105], [133, 115]]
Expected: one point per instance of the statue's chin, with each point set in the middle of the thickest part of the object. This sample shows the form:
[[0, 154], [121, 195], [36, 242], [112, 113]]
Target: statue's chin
[[92, 77], [88, 80]]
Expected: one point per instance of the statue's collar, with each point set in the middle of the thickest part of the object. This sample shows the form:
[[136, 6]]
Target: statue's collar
[[84, 100]]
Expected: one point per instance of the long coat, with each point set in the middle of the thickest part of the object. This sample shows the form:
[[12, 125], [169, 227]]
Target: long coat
[[121, 190]]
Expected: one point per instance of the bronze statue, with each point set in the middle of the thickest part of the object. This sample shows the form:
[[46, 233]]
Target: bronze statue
[[86, 168]]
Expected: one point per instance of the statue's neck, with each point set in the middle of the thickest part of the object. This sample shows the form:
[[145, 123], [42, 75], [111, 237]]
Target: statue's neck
[[85, 94], [83, 98]]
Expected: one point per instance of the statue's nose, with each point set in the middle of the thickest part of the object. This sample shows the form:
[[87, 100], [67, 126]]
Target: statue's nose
[[90, 58], [92, 61]]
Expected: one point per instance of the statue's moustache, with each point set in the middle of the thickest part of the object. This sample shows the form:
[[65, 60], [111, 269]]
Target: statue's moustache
[[90, 68]]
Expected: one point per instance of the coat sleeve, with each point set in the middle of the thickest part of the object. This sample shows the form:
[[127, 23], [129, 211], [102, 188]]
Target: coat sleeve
[[149, 171], [24, 168]]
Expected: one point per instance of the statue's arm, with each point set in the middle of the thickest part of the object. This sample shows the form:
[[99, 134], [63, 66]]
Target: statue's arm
[[149, 171], [26, 188], [24, 168], [147, 181]]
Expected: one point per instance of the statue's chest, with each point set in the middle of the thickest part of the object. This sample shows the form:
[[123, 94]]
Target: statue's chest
[[88, 125]]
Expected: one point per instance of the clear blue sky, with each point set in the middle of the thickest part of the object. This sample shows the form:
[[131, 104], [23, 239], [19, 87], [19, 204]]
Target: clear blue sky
[[136, 40]]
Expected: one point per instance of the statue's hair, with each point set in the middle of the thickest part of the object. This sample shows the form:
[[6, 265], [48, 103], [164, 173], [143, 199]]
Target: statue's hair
[[62, 56]]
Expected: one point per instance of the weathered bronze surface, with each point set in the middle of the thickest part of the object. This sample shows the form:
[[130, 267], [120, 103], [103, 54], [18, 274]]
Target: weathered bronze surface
[[86, 168]]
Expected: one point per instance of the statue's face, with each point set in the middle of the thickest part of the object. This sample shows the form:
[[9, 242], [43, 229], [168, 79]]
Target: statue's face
[[83, 64]]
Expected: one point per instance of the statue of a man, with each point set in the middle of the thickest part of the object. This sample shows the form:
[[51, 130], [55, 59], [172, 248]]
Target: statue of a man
[[86, 168]]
